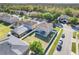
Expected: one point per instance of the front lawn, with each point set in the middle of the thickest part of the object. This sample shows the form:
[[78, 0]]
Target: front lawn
[[57, 28], [3, 31], [51, 35], [74, 47], [56, 41]]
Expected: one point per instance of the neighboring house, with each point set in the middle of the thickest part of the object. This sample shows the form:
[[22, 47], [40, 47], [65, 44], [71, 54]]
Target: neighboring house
[[57, 25], [13, 46], [43, 30], [76, 27], [63, 19], [20, 11], [34, 13], [38, 19], [8, 18], [32, 24], [20, 31]]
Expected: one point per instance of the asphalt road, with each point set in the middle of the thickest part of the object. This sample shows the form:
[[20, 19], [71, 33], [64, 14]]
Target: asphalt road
[[67, 41]]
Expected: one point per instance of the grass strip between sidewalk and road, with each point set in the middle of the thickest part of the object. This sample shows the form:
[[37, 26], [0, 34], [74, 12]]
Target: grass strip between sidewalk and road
[[74, 47], [52, 48]]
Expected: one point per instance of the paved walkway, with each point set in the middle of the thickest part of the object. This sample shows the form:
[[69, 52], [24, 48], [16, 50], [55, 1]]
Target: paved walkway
[[67, 42]]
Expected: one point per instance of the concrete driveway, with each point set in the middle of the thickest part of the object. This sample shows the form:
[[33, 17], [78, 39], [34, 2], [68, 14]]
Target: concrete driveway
[[67, 41]]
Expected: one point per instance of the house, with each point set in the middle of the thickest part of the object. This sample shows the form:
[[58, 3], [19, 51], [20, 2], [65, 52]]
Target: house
[[31, 24], [76, 27], [63, 19], [57, 25], [20, 31], [13, 46], [43, 30], [20, 11], [8, 18]]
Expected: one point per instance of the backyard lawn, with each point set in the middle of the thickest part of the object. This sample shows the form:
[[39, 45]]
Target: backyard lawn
[[45, 42], [3, 31], [52, 48], [74, 47], [32, 38]]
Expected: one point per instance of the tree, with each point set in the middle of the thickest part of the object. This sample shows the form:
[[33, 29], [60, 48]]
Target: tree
[[21, 14], [68, 12], [73, 20], [56, 15], [36, 47], [55, 21], [26, 16], [47, 16]]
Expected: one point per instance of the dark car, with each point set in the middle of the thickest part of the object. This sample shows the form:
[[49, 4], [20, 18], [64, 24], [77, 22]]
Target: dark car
[[63, 35], [59, 47]]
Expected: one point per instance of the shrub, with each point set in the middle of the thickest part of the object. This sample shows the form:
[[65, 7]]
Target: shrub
[[36, 47]]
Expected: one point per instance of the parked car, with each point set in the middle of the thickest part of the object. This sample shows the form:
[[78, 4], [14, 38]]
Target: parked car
[[63, 35], [59, 47], [60, 42]]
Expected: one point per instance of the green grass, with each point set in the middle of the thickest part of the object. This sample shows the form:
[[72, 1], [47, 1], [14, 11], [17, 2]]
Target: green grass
[[56, 42], [4, 23], [78, 35], [74, 47], [57, 28], [78, 46], [32, 38], [51, 35], [74, 34], [3, 31]]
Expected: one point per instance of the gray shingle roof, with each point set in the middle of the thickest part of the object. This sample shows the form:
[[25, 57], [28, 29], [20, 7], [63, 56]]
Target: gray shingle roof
[[21, 29], [13, 46], [44, 26], [8, 18]]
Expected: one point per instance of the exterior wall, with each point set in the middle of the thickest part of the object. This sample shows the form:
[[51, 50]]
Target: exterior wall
[[19, 36], [41, 37]]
